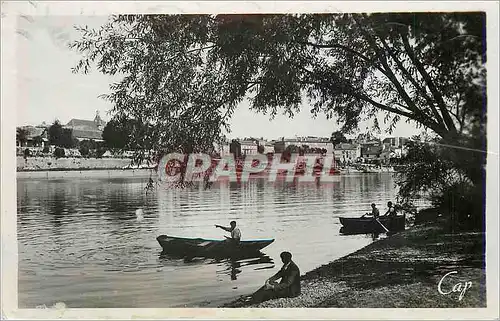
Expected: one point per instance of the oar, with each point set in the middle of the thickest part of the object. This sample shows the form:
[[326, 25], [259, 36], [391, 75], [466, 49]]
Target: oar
[[385, 228]]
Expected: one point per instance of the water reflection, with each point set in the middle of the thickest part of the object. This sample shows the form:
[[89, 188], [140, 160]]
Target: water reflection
[[57, 208], [231, 266], [167, 259], [234, 266]]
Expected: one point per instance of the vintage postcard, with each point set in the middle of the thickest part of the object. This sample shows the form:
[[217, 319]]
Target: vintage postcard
[[249, 160]]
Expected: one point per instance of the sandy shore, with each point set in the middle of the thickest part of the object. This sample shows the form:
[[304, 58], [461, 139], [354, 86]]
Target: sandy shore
[[401, 271]]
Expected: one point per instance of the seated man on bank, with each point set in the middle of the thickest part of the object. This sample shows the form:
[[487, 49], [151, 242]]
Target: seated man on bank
[[288, 287], [235, 232]]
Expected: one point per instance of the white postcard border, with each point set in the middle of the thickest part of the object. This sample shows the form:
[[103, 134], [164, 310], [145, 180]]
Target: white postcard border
[[8, 168]]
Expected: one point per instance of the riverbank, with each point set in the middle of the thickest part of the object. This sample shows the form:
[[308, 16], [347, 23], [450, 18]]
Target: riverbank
[[401, 271], [100, 173]]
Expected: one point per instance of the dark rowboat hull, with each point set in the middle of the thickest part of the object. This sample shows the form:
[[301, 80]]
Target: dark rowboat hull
[[367, 225], [199, 247]]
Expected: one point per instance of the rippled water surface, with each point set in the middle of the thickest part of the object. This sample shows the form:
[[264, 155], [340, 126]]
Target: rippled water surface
[[81, 243]]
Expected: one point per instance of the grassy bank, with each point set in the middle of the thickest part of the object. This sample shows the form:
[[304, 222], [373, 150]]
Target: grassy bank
[[401, 271]]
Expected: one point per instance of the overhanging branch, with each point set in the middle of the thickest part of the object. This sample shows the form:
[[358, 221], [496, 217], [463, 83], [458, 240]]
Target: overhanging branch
[[429, 82], [417, 114], [347, 49], [412, 80]]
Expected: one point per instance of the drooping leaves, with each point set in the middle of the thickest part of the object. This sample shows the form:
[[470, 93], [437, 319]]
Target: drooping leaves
[[185, 74]]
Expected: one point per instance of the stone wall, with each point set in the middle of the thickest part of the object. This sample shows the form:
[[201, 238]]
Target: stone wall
[[69, 163]]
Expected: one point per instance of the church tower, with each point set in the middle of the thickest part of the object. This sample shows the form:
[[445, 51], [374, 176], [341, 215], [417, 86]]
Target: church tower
[[98, 121]]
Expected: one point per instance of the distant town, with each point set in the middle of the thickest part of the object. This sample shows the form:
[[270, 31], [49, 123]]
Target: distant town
[[81, 138]]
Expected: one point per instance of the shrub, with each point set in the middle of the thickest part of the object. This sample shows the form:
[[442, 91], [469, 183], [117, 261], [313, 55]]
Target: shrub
[[427, 215], [59, 152], [463, 204], [99, 152], [27, 153], [46, 150], [84, 151], [448, 181]]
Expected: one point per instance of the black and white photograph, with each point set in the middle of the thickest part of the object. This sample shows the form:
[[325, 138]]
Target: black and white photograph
[[223, 160]]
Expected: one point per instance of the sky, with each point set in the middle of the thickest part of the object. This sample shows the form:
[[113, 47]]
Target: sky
[[48, 90]]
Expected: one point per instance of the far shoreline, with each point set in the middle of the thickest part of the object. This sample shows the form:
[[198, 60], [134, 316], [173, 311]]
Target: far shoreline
[[85, 173], [79, 169]]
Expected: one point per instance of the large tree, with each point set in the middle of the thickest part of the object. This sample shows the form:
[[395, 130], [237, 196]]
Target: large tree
[[60, 136], [55, 133], [116, 134], [185, 74]]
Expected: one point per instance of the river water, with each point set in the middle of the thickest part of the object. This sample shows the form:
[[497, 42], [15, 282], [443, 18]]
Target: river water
[[81, 243]]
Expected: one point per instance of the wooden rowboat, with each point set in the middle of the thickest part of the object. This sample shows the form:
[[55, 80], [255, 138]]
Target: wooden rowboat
[[200, 247], [367, 225]]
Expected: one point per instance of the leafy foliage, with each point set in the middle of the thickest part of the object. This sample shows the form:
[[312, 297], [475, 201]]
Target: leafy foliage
[[432, 169], [187, 72], [84, 151], [59, 152], [116, 134], [463, 204], [89, 144], [337, 138], [22, 135], [55, 133], [425, 170]]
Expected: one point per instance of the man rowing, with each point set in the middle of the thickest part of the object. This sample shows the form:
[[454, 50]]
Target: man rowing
[[375, 214], [235, 232]]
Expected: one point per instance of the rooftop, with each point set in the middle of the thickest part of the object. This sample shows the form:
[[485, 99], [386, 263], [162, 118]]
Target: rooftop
[[33, 131], [87, 134], [92, 125]]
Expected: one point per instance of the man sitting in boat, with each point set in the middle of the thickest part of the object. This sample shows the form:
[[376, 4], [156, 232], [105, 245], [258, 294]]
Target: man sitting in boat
[[288, 287], [235, 232], [375, 212], [391, 211]]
